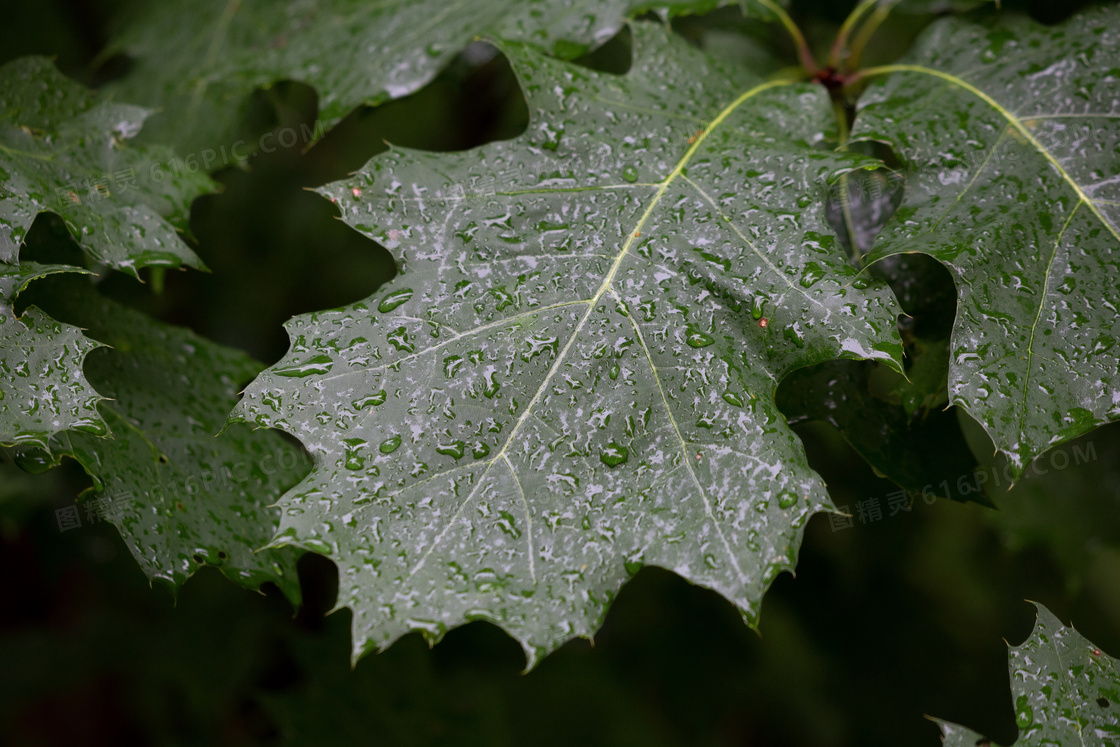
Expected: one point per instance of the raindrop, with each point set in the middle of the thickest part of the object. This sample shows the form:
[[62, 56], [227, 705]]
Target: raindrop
[[507, 524], [451, 365], [614, 455], [793, 334], [486, 580], [492, 385], [433, 630], [697, 339], [455, 449], [756, 307], [811, 274], [630, 174], [399, 339], [393, 300], [389, 445], [732, 398], [318, 365], [377, 398]]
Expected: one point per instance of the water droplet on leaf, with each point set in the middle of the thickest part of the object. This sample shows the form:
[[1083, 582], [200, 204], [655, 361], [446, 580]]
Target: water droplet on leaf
[[614, 455]]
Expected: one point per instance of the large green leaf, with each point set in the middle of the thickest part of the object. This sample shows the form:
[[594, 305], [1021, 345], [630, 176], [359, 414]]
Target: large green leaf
[[199, 58], [1066, 690], [179, 496], [42, 388], [575, 372], [63, 149], [1011, 134]]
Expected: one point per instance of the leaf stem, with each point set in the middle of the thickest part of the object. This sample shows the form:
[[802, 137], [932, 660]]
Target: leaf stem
[[804, 54], [840, 44], [855, 51]]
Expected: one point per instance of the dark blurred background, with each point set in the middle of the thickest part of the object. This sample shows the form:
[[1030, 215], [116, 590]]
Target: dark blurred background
[[886, 621]]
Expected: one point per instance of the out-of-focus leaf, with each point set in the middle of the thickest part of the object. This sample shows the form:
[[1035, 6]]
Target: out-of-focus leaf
[[925, 454], [64, 149], [180, 495], [199, 58]]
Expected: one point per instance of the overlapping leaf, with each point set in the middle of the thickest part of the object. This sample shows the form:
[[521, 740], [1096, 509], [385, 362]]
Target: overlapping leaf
[[1011, 135], [574, 373], [1066, 690], [42, 388], [180, 496], [200, 59], [63, 149]]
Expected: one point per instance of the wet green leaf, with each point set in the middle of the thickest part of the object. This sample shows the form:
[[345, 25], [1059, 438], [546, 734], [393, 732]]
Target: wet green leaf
[[198, 59], [1011, 139], [180, 495], [65, 150], [1066, 691], [580, 377], [43, 390]]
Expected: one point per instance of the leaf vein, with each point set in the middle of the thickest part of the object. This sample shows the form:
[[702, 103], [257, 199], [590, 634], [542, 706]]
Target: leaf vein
[[1038, 315], [677, 171], [685, 455]]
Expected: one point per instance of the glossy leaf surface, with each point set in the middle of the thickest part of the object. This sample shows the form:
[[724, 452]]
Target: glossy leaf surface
[[574, 373], [63, 149], [1066, 691], [1010, 133]]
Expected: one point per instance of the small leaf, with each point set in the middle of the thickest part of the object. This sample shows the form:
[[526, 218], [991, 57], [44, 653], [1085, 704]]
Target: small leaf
[[63, 149], [1066, 691]]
